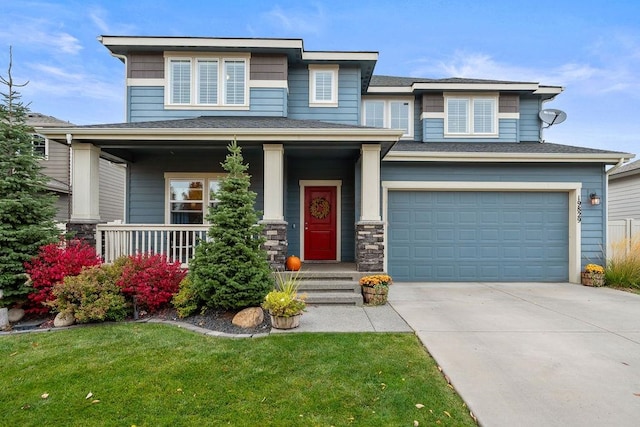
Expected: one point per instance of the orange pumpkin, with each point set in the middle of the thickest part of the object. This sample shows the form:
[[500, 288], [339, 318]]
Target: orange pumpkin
[[293, 263]]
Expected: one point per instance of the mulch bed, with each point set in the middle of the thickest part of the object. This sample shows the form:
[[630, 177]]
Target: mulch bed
[[215, 320]]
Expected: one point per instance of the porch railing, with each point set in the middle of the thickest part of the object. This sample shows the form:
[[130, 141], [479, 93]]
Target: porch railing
[[177, 242]]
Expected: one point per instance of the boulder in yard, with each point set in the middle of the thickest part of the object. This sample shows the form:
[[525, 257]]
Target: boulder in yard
[[63, 319], [249, 317], [15, 314]]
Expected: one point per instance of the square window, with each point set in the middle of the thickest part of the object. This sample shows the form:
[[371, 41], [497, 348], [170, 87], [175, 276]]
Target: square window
[[471, 115], [390, 114]]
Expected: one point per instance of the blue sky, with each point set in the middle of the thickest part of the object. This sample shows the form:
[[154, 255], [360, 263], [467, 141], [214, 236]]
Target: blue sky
[[591, 48]]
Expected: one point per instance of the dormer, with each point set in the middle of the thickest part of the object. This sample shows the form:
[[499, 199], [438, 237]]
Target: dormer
[[457, 110]]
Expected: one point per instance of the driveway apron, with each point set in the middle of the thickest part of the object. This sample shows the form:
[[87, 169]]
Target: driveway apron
[[532, 354]]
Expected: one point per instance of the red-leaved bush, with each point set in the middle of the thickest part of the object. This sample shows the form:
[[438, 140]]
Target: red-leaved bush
[[53, 263], [151, 279]]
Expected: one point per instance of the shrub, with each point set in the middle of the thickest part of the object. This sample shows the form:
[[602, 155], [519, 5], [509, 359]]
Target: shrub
[[53, 263], [623, 265], [186, 301], [93, 295], [151, 279]]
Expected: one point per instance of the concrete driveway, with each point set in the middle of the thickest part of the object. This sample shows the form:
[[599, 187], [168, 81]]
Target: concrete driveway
[[532, 354]]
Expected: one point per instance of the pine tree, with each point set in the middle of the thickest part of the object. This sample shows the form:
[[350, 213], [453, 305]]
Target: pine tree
[[26, 210], [230, 270]]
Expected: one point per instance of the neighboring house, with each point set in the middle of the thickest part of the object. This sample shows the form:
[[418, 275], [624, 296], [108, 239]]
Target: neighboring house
[[624, 203], [624, 192], [427, 179], [56, 163]]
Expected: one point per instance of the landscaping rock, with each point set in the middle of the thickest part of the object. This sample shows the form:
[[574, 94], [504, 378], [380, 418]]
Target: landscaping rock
[[63, 320], [4, 318], [15, 315], [249, 317]]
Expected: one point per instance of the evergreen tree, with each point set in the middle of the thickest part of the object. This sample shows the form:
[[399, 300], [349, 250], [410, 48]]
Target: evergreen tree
[[230, 270], [26, 209]]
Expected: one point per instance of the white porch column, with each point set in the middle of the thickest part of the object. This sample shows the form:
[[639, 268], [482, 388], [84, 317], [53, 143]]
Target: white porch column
[[370, 183], [273, 182], [85, 183]]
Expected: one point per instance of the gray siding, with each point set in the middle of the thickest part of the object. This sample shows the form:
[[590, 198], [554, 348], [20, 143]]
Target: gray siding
[[529, 121], [56, 166], [624, 198], [329, 169], [433, 131], [62, 207], [268, 67], [509, 103], [592, 178], [348, 109], [433, 103], [145, 65], [146, 195], [112, 191], [147, 103]]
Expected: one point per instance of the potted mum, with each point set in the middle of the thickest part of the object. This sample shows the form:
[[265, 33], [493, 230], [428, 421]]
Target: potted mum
[[375, 288], [593, 275], [284, 304]]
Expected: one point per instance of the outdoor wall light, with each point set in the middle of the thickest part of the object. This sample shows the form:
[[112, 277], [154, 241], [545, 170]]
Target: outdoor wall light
[[595, 199]]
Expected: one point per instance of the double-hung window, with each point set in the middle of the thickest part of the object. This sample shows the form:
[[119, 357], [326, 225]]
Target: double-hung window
[[471, 115], [323, 85], [389, 113], [207, 81], [189, 196]]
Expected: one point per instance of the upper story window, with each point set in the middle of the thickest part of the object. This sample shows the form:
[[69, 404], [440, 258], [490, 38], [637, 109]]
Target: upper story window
[[207, 81], [40, 146], [389, 113], [189, 195], [323, 85], [471, 115]]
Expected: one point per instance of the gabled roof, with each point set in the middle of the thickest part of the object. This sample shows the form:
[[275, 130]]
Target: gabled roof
[[42, 120], [629, 169], [501, 152]]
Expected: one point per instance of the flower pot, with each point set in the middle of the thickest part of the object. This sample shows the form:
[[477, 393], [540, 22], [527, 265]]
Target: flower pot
[[375, 295], [281, 322], [592, 279]]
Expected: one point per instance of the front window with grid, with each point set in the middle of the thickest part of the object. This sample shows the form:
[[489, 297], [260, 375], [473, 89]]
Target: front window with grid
[[207, 82], [188, 199], [471, 116], [389, 113]]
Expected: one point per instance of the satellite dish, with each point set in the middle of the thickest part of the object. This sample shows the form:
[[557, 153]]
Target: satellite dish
[[551, 116]]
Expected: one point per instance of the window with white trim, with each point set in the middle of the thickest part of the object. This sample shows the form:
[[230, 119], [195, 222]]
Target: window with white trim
[[390, 114], [471, 115], [40, 146], [323, 85], [189, 196], [207, 82]]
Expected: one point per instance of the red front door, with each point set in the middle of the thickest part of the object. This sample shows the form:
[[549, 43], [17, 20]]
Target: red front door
[[320, 223]]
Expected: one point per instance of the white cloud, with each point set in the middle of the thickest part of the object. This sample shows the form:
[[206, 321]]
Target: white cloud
[[38, 34], [100, 19], [298, 21]]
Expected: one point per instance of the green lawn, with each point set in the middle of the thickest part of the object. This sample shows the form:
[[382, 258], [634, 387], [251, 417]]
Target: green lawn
[[159, 375]]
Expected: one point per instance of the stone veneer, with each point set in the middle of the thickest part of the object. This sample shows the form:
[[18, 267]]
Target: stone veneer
[[276, 245], [83, 230], [370, 246]]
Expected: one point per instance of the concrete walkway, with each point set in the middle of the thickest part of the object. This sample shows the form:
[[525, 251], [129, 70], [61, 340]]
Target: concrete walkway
[[532, 354], [345, 318]]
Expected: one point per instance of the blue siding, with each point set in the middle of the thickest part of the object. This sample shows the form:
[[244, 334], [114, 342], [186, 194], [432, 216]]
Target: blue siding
[[299, 168], [529, 120], [591, 176], [147, 103], [417, 123], [433, 130], [146, 192], [348, 109]]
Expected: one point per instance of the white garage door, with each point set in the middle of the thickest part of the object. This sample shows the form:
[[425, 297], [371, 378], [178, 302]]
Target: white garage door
[[478, 236]]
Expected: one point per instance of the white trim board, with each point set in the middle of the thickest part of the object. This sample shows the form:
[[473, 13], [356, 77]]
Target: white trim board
[[572, 188]]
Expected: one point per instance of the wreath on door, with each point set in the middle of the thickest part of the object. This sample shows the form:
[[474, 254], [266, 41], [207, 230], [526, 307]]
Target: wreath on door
[[319, 208]]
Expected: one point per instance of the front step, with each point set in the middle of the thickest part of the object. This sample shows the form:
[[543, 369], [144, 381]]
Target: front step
[[329, 287]]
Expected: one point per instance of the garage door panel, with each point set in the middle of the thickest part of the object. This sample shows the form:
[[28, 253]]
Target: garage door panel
[[468, 236]]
